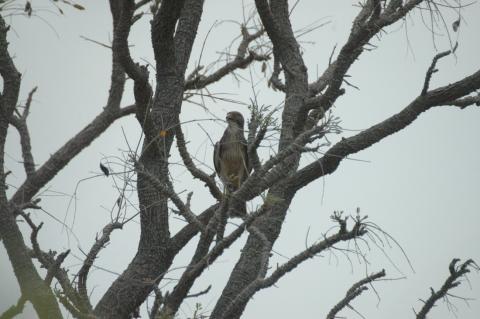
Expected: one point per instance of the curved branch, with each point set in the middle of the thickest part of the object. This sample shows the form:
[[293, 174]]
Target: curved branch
[[28, 162], [91, 256], [14, 310], [259, 283], [451, 282], [363, 30], [197, 81], [347, 146], [32, 287], [194, 170], [67, 152], [354, 292]]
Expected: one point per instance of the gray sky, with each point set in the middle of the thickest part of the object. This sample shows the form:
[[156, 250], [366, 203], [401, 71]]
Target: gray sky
[[420, 185]]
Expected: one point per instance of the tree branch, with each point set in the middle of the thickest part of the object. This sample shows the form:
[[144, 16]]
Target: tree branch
[[163, 28], [53, 266], [167, 190], [20, 123], [32, 287], [183, 236], [66, 153], [274, 80], [14, 310], [363, 30], [347, 146], [199, 81], [432, 68], [202, 257], [75, 145], [451, 282], [464, 102], [122, 14], [358, 230], [90, 258], [193, 169], [353, 293]]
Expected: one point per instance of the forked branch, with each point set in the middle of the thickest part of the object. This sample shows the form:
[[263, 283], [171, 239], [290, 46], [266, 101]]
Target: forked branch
[[359, 229], [19, 121], [91, 256], [354, 292], [242, 59], [456, 272], [193, 169]]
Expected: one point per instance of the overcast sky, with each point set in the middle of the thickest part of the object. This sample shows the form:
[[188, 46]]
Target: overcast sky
[[421, 185]]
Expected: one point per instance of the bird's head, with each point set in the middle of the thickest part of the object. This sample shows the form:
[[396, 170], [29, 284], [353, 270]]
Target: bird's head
[[236, 118]]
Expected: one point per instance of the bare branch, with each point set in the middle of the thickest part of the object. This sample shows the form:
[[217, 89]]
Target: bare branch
[[67, 152], [183, 236], [432, 68], [241, 61], [163, 28], [20, 123], [277, 166], [9, 73], [358, 230], [53, 266], [193, 169], [156, 303], [141, 3], [332, 158], [200, 293], [464, 102], [91, 256], [52, 270], [28, 161], [275, 77], [26, 110], [451, 282], [353, 293], [14, 310], [363, 29], [75, 145], [202, 257], [122, 18], [167, 190], [72, 309]]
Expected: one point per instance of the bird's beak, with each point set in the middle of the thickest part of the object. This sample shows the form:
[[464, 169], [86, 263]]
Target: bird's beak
[[229, 116]]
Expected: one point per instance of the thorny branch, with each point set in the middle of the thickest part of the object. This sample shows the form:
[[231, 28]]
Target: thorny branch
[[167, 190], [19, 121], [193, 169], [199, 81], [456, 272], [172, 28], [53, 265], [366, 25], [91, 256], [359, 229], [14, 310], [432, 68], [445, 95], [354, 292], [203, 257]]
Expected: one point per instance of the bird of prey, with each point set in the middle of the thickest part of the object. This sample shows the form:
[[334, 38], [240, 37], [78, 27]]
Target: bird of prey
[[230, 156]]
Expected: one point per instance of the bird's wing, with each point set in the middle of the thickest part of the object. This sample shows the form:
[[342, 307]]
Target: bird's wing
[[216, 156], [244, 143]]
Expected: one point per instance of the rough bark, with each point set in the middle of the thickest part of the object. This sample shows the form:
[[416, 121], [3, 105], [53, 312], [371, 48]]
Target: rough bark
[[173, 32], [32, 286], [172, 50]]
